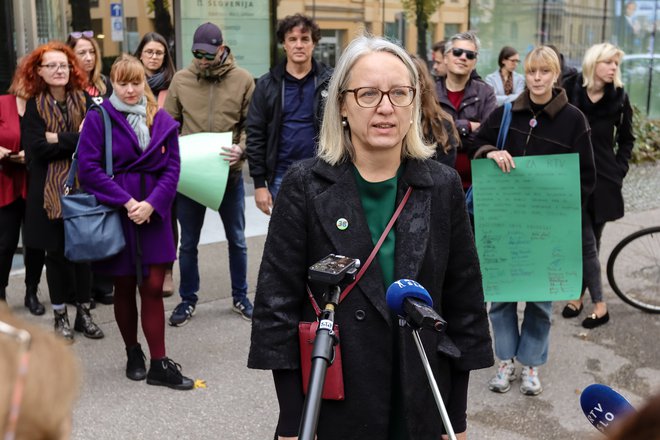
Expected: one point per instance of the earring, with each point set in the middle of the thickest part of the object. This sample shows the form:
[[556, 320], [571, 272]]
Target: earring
[[411, 121], [344, 122]]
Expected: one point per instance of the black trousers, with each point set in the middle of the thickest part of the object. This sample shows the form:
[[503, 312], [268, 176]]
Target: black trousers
[[65, 278], [12, 217]]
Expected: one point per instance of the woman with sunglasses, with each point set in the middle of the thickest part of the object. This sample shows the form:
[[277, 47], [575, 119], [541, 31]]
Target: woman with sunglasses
[[371, 153], [154, 53], [598, 92], [88, 54], [542, 123], [505, 81], [49, 133], [146, 171]]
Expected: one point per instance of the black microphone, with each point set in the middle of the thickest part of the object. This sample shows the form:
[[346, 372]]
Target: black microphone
[[411, 301], [603, 406]]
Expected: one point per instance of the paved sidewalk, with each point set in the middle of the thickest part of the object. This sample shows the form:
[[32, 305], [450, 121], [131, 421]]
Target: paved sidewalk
[[240, 404]]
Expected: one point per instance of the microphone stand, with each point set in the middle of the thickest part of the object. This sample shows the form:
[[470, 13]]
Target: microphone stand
[[434, 385], [322, 357]]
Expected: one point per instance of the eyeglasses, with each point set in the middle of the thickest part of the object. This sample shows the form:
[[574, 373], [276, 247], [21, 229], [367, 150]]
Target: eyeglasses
[[370, 97], [157, 53], [207, 56], [86, 34], [23, 338], [54, 67], [469, 54], [514, 60]]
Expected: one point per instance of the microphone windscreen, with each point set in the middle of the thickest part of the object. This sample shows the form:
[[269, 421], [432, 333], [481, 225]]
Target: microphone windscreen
[[603, 406], [402, 289]]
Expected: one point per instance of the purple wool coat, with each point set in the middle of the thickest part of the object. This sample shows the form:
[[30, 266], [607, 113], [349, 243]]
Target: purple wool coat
[[159, 163]]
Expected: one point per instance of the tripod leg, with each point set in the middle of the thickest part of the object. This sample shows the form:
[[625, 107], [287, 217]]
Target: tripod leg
[[434, 386]]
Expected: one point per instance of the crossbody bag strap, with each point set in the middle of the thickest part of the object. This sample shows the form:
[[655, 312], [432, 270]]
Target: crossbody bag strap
[[107, 139], [371, 257], [504, 126]]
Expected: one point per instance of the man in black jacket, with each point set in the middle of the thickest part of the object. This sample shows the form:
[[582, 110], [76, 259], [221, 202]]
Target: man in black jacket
[[286, 109]]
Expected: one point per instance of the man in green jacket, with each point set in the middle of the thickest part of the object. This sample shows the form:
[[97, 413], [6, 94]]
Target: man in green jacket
[[212, 95]]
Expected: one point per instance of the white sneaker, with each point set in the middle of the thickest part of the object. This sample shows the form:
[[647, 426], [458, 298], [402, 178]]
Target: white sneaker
[[506, 373], [531, 385]]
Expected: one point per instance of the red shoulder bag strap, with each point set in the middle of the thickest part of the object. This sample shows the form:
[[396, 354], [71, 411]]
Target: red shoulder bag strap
[[367, 263]]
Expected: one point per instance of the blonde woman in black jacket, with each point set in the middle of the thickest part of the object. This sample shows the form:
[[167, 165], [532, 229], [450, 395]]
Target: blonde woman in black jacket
[[542, 122], [598, 92]]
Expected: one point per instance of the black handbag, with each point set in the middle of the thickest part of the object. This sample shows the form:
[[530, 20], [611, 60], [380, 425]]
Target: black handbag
[[92, 231]]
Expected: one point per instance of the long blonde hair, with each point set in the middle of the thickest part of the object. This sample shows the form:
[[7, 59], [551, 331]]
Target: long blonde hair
[[594, 55], [127, 68], [335, 144]]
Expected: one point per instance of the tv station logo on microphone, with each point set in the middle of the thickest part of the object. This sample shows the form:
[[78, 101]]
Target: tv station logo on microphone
[[405, 282]]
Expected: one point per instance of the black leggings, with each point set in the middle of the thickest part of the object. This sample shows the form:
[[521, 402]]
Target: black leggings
[[11, 218], [67, 279]]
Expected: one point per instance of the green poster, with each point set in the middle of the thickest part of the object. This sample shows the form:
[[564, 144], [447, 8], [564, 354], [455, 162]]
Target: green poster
[[528, 228], [204, 172]]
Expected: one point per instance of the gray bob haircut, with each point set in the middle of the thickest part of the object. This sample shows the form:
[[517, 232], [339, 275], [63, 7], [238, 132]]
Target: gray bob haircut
[[463, 36], [335, 144]]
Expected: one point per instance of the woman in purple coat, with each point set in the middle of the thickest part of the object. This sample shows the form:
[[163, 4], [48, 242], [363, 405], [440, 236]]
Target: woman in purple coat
[[146, 171]]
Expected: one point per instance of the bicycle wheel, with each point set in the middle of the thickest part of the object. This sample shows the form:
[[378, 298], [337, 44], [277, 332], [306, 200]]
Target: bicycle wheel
[[633, 269]]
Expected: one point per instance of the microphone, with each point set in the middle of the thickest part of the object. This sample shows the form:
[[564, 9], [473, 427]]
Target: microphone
[[410, 300], [603, 406]]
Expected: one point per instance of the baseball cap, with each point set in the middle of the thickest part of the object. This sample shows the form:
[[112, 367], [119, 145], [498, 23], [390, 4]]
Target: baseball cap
[[208, 38]]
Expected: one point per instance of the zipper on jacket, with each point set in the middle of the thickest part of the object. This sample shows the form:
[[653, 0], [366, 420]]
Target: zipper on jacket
[[211, 107]]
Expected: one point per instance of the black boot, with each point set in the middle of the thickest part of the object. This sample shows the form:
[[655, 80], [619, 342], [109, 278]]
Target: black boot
[[166, 372], [62, 326], [3, 294], [135, 368], [85, 324], [32, 301]]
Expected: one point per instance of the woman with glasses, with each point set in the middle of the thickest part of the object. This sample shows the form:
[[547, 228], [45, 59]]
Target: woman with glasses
[[542, 123], [371, 152], [49, 133], [146, 165], [598, 92], [154, 54], [88, 54], [505, 81]]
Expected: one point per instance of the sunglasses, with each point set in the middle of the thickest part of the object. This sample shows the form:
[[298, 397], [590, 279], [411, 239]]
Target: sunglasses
[[469, 54], [208, 56], [86, 34]]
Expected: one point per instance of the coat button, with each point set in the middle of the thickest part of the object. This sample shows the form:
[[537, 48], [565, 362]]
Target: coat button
[[360, 315]]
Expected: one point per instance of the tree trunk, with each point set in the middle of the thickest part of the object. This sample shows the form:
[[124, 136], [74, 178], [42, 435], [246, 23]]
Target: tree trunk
[[163, 22], [422, 23], [81, 19]]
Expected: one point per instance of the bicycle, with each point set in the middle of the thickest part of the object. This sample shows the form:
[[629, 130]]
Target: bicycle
[[633, 269]]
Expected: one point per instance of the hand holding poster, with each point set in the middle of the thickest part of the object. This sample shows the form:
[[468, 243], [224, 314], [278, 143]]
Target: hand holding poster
[[204, 172], [528, 228]]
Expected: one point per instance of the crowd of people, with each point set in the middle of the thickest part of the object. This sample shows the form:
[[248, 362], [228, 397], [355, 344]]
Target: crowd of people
[[332, 152]]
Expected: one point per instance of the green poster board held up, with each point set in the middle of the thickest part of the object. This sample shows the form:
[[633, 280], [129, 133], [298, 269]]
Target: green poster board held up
[[204, 172], [528, 228]]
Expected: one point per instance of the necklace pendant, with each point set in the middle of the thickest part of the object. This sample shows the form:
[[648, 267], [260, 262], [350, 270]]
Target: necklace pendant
[[533, 122]]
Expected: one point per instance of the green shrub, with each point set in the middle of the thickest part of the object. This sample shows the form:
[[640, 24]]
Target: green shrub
[[647, 138]]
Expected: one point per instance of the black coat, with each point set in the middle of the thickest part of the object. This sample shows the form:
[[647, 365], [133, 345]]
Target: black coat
[[561, 129], [612, 139], [434, 245], [264, 119], [40, 231]]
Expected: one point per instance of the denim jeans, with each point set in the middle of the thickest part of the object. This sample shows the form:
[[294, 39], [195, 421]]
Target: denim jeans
[[274, 186], [591, 276], [191, 217], [529, 344]]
